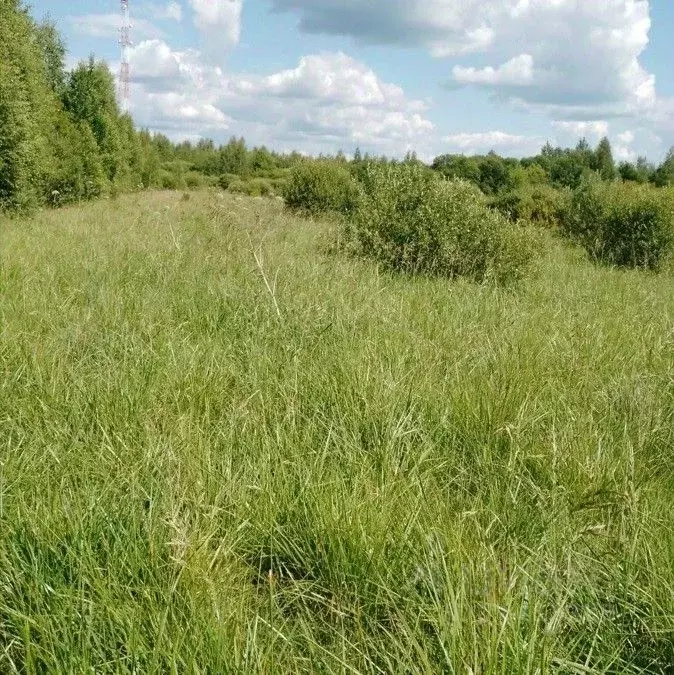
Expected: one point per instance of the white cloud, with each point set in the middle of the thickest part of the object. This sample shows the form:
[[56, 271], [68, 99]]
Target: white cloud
[[446, 27], [333, 77], [328, 101], [482, 142], [218, 20], [108, 25], [519, 71], [173, 92], [333, 97], [594, 129], [172, 11], [159, 68], [663, 116], [622, 151], [577, 56]]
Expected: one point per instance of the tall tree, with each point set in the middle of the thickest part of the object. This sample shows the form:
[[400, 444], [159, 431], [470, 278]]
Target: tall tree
[[233, 157], [27, 109], [603, 160], [664, 175], [89, 97], [53, 53]]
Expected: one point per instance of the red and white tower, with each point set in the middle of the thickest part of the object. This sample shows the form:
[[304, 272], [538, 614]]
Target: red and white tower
[[124, 69]]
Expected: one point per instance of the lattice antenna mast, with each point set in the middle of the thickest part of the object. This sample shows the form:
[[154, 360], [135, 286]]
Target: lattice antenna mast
[[124, 69]]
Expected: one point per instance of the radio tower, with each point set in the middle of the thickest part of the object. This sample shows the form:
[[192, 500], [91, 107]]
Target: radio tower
[[124, 70]]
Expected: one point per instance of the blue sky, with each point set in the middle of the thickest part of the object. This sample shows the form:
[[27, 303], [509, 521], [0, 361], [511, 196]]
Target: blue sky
[[392, 75]]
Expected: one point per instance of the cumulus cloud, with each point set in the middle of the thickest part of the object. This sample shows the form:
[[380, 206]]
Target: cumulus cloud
[[159, 69], [582, 128], [107, 26], [332, 77], [327, 101], [519, 71], [218, 20], [663, 116], [549, 54], [171, 11], [173, 92], [482, 142], [445, 26], [333, 97], [623, 150]]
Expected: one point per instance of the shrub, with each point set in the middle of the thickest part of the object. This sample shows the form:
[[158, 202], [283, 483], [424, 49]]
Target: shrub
[[272, 173], [226, 179], [238, 186], [177, 166], [260, 187], [169, 180], [413, 222], [279, 185], [194, 180], [77, 171], [538, 204], [622, 224], [320, 187], [255, 187]]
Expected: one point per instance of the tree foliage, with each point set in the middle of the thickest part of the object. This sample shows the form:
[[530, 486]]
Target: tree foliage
[[62, 137], [602, 161], [26, 109], [53, 52], [623, 225], [410, 221]]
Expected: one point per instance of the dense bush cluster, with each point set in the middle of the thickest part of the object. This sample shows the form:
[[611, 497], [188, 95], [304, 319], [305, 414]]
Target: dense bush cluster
[[411, 220], [320, 187], [471, 224], [622, 225], [414, 222], [539, 204]]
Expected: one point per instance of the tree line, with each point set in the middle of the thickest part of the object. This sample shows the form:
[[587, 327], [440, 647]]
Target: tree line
[[558, 167], [62, 136]]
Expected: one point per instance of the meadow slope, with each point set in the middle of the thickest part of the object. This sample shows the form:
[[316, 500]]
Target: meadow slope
[[225, 449]]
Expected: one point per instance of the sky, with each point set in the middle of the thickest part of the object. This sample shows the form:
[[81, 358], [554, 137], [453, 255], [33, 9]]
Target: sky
[[389, 76]]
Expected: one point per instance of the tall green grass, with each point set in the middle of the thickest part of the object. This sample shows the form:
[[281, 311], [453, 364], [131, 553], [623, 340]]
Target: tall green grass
[[222, 450]]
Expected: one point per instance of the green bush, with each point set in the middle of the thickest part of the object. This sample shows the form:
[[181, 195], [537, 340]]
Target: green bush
[[255, 187], [416, 223], [261, 187], [279, 185], [169, 180], [226, 179], [270, 173], [316, 187], [622, 224], [238, 186], [177, 166], [76, 171], [538, 204], [194, 180]]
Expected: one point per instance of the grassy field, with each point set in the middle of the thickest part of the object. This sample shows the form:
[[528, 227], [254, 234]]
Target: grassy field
[[225, 449]]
